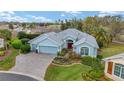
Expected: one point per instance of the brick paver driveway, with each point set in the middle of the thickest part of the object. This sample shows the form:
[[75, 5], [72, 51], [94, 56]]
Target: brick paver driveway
[[33, 64]]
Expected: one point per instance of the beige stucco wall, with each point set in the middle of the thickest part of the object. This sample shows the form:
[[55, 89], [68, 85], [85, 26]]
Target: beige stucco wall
[[114, 77]]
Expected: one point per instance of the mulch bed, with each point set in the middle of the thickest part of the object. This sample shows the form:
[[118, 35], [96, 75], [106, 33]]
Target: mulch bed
[[7, 53]]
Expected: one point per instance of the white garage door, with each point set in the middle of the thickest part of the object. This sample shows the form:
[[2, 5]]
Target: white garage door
[[48, 49]]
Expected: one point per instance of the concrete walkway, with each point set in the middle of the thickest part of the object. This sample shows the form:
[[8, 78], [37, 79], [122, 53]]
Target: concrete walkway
[[33, 64]]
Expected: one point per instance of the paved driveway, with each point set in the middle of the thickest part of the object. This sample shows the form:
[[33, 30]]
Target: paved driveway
[[33, 64]]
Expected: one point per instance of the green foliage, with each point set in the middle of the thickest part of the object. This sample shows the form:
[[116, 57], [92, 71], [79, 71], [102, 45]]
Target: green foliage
[[2, 53], [9, 61], [96, 74], [93, 62], [87, 60], [61, 53], [6, 34], [25, 48], [31, 36], [16, 43], [25, 40], [99, 56], [21, 35]]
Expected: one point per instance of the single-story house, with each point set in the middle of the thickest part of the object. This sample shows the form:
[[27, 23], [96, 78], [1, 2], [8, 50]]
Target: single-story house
[[52, 42], [114, 67]]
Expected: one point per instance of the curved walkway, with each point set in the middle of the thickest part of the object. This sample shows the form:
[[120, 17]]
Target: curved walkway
[[33, 64]]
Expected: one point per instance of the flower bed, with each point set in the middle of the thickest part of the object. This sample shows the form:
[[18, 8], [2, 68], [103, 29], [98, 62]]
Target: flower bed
[[6, 53]]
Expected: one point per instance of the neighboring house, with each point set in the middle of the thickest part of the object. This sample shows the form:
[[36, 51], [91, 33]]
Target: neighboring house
[[81, 43], [1, 43], [114, 67]]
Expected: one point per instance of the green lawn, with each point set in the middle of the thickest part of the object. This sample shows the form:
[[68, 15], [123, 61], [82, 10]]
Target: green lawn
[[112, 49], [66, 73], [9, 61]]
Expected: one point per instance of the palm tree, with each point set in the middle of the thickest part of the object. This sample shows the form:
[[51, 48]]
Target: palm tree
[[103, 37]]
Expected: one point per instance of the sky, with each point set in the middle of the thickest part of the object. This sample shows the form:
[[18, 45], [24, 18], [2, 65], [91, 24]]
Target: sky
[[51, 16]]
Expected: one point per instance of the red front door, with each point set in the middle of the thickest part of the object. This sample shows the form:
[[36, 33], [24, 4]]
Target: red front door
[[70, 45]]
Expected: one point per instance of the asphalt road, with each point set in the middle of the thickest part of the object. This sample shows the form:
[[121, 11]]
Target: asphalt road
[[15, 77]]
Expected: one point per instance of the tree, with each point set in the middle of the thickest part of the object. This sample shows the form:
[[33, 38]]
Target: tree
[[21, 35], [11, 26], [102, 37], [25, 48], [16, 43]]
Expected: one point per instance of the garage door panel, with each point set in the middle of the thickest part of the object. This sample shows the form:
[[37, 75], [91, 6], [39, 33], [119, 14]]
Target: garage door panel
[[48, 49], [34, 47]]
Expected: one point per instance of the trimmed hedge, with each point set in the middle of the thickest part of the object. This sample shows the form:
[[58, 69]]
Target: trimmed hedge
[[25, 48]]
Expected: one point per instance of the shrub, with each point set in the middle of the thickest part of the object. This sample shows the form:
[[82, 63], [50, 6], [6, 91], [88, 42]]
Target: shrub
[[2, 53], [25, 40], [16, 43], [63, 52], [87, 60], [21, 35], [61, 61], [31, 36], [60, 53], [73, 55], [95, 74], [99, 57], [93, 62], [25, 48]]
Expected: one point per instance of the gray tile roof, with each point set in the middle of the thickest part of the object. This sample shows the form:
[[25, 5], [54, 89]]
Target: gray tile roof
[[76, 34]]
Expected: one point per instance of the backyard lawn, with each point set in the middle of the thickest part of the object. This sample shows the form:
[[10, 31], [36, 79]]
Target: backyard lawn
[[9, 61], [73, 72], [113, 49]]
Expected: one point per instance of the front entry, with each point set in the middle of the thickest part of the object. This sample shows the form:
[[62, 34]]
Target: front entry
[[110, 66], [69, 44]]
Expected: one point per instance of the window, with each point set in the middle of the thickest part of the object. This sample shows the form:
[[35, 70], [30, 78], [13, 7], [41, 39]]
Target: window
[[122, 73], [117, 70], [84, 51]]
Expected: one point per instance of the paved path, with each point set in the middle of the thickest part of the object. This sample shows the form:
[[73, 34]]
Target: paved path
[[33, 64]]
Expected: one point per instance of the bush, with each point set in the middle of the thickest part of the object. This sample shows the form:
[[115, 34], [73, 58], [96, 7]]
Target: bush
[[25, 40], [60, 53], [31, 36], [63, 52], [93, 62], [87, 60], [25, 48], [73, 55], [95, 74], [99, 57], [21, 35], [2, 53], [16, 43], [61, 61]]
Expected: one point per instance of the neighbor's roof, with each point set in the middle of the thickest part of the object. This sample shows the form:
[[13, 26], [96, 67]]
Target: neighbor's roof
[[116, 58], [81, 37]]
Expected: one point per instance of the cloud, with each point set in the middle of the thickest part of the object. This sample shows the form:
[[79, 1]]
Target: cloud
[[109, 13], [62, 15], [39, 19], [10, 16], [74, 13]]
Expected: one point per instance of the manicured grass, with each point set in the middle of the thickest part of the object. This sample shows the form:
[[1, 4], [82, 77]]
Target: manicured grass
[[112, 49], [73, 72], [9, 61]]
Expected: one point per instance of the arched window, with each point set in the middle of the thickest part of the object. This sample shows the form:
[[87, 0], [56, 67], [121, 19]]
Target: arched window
[[84, 51]]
